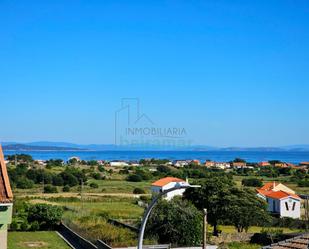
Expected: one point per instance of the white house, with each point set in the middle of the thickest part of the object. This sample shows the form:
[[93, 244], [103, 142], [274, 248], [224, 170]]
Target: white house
[[222, 165], [118, 163], [281, 200], [181, 163], [168, 183]]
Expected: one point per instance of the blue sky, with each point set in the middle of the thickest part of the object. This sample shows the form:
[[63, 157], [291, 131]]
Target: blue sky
[[232, 73]]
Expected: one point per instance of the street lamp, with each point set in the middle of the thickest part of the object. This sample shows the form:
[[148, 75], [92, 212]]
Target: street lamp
[[151, 206]]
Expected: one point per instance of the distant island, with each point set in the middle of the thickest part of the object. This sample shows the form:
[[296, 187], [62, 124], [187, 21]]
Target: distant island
[[25, 147], [63, 146]]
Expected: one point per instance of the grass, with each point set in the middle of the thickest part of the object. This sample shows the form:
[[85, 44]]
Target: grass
[[119, 186], [254, 229], [115, 207], [42, 240]]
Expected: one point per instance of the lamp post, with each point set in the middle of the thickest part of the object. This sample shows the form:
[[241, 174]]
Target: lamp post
[[151, 206]]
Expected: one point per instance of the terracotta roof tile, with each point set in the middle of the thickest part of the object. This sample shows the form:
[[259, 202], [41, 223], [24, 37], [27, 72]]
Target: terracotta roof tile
[[300, 242], [269, 186], [166, 180], [279, 195]]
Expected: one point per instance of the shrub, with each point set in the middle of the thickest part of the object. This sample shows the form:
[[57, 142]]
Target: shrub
[[93, 185], [134, 178], [66, 188], [24, 226], [14, 225], [34, 226], [138, 191], [50, 189]]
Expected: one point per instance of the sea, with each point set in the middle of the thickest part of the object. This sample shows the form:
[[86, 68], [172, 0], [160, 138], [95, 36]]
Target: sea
[[220, 156]]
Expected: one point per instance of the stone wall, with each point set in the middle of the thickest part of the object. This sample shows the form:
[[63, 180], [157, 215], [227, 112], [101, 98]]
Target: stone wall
[[231, 237]]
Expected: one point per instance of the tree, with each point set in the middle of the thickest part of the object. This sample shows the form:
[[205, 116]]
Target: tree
[[92, 163], [214, 195], [24, 183], [138, 191], [69, 179], [93, 185], [246, 209], [66, 188], [47, 216], [252, 182], [57, 180], [50, 189], [134, 178], [20, 157], [239, 160], [177, 222], [54, 163]]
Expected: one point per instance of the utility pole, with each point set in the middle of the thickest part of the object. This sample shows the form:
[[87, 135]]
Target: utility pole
[[43, 181], [306, 212], [205, 229], [81, 194]]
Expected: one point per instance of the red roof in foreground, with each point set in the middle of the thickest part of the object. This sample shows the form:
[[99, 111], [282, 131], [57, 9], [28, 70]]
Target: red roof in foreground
[[277, 194], [268, 186], [6, 195], [166, 180]]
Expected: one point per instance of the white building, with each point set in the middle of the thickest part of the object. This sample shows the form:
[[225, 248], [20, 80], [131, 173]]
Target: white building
[[168, 183], [118, 163], [281, 200], [222, 165], [181, 163]]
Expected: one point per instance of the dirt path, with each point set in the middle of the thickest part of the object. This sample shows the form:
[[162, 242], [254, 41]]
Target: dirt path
[[68, 195]]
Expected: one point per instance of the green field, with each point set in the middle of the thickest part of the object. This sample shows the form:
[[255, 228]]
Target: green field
[[35, 240], [254, 229]]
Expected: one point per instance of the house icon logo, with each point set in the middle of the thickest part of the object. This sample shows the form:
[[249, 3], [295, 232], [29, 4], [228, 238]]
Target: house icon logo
[[135, 128]]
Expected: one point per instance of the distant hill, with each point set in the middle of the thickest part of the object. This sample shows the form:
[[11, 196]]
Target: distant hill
[[64, 146], [24, 147]]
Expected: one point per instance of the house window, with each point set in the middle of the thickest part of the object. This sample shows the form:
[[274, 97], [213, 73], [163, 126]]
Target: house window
[[286, 206], [294, 203]]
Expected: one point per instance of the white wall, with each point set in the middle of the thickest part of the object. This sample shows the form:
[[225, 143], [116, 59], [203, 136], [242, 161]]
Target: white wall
[[290, 213], [170, 195]]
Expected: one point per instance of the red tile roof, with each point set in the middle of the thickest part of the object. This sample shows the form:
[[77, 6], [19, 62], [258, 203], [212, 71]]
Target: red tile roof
[[269, 186], [277, 194], [300, 242], [6, 195], [166, 180], [280, 195], [267, 191]]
